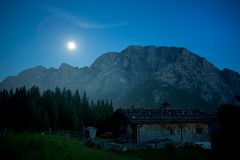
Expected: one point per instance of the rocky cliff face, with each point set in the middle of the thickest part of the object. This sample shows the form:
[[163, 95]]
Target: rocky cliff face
[[142, 76]]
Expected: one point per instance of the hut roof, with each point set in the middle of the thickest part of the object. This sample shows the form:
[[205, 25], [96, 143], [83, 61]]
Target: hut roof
[[161, 115]]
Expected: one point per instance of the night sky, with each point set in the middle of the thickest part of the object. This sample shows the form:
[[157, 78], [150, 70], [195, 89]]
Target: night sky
[[36, 32]]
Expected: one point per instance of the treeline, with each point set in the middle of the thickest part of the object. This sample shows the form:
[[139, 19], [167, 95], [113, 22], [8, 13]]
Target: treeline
[[28, 109]]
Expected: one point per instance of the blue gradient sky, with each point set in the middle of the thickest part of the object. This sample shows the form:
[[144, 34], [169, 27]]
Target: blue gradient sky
[[36, 32]]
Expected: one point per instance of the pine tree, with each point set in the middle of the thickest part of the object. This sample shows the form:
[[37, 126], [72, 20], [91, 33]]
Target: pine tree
[[34, 104]]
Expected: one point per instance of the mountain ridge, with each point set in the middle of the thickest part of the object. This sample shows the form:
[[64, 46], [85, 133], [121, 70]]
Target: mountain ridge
[[118, 76]]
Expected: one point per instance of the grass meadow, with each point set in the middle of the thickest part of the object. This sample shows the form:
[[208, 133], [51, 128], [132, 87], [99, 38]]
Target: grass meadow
[[33, 146]]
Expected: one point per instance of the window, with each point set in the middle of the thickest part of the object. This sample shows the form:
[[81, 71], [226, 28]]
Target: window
[[169, 131], [199, 130]]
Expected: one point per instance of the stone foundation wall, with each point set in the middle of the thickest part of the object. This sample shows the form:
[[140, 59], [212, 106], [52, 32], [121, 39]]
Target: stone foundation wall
[[195, 132], [175, 132]]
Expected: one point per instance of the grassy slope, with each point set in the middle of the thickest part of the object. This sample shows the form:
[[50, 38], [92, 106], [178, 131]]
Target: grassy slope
[[35, 146]]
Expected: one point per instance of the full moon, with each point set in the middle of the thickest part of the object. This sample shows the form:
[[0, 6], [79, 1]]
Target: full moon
[[71, 45]]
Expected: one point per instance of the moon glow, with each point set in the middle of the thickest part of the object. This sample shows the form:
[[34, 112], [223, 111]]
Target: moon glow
[[71, 45]]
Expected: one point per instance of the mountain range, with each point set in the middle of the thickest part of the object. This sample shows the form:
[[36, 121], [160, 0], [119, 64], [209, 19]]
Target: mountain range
[[143, 76]]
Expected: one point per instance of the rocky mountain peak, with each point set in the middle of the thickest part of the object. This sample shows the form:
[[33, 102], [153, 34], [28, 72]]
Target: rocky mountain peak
[[144, 76], [65, 66]]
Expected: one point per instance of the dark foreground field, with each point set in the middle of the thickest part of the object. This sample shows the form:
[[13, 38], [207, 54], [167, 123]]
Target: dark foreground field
[[29, 146]]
